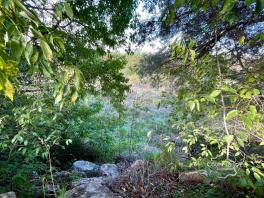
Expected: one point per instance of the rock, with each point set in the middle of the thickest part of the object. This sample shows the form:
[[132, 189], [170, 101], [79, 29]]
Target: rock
[[89, 168], [62, 177], [90, 188], [124, 161], [84, 181], [109, 170], [136, 171], [137, 166], [8, 195], [192, 177]]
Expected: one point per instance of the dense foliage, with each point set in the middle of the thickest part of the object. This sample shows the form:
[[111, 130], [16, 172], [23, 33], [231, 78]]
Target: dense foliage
[[62, 89], [52, 54], [216, 66]]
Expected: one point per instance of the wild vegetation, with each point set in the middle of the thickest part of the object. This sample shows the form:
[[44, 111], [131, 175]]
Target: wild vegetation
[[190, 116]]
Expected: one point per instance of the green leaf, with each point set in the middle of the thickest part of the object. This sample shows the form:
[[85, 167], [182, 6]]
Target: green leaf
[[215, 93], [197, 105], [2, 63], [247, 172], [59, 42], [29, 13], [228, 138], [59, 96], [253, 110], [191, 105], [74, 97], [229, 89], [240, 142], [46, 50], [255, 169], [35, 57], [46, 72], [192, 52], [257, 177], [24, 150], [68, 10], [9, 90], [17, 48], [242, 40], [37, 33], [256, 92], [232, 114], [28, 51], [185, 57], [58, 10], [228, 6]]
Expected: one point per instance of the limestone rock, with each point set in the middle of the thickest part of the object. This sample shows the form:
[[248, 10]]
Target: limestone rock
[[109, 170], [92, 188], [8, 195], [84, 181], [89, 168]]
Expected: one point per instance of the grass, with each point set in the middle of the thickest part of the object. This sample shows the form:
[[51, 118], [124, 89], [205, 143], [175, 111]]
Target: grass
[[205, 191]]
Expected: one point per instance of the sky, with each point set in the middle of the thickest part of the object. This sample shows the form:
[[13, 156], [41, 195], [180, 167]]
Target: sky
[[149, 47]]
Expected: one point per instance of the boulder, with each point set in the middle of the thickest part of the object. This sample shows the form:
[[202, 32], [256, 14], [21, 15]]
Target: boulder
[[89, 168], [109, 170], [84, 181], [8, 195], [192, 177], [90, 188]]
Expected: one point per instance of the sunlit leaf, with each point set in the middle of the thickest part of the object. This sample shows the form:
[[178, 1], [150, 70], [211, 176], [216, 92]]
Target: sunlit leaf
[[215, 93], [28, 51], [46, 50], [228, 138], [232, 114], [74, 97], [68, 10], [9, 90]]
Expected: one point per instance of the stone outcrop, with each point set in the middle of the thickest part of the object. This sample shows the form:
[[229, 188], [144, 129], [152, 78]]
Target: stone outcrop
[[89, 168], [8, 195], [93, 187], [109, 170]]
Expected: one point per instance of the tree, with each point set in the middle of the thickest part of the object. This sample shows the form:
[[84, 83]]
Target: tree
[[217, 66], [33, 37], [60, 49]]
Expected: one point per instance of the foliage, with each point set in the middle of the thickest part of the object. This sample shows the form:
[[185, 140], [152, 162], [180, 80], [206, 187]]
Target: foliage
[[218, 72], [197, 20], [59, 49], [31, 44], [205, 191]]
